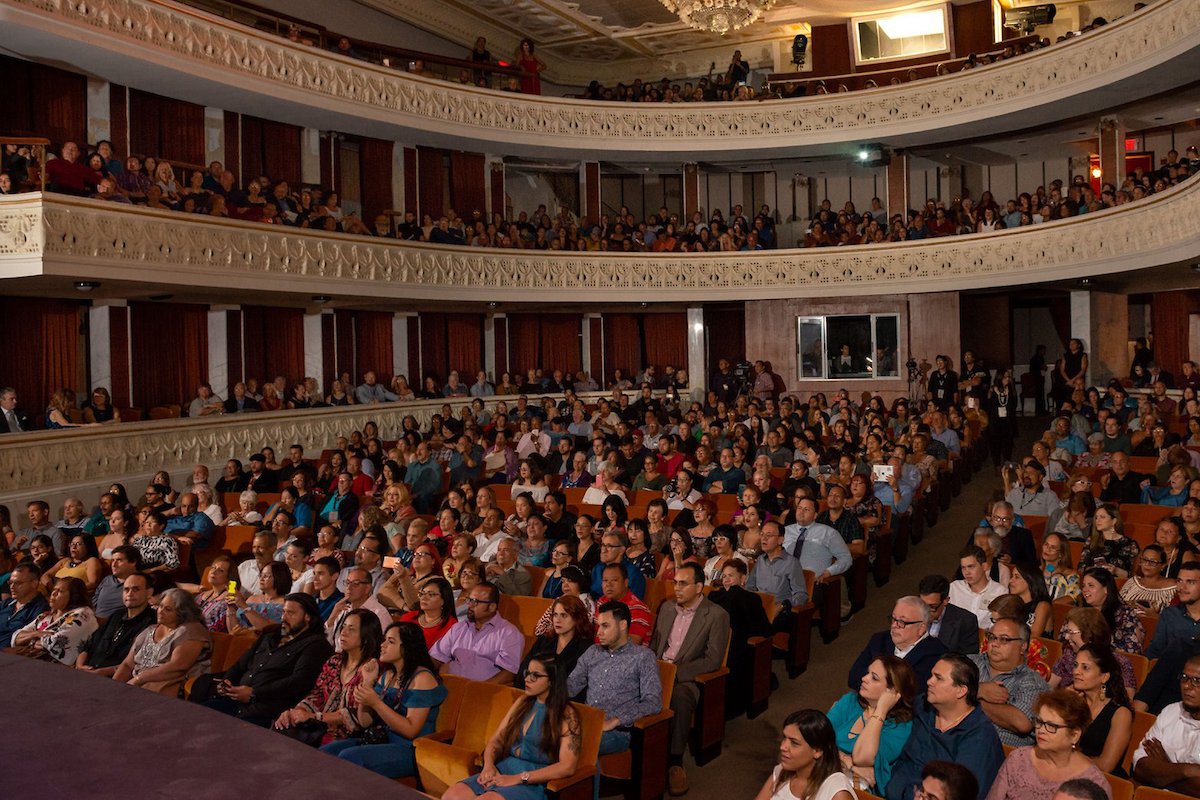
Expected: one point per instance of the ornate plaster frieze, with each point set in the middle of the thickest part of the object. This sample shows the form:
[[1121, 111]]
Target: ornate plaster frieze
[[48, 461], [1019, 91], [77, 238]]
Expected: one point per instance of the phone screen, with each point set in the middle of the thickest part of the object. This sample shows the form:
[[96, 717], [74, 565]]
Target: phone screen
[[392, 562]]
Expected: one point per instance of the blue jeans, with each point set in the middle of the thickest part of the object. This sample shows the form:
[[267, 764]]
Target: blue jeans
[[392, 760], [610, 742]]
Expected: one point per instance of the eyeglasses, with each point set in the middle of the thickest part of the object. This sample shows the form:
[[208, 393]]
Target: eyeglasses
[[421, 554], [903, 623], [362, 549], [610, 547], [471, 601], [463, 573], [1049, 727], [358, 583], [995, 639], [1149, 562], [1186, 680], [428, 595], [998, 518], [1071, 632], [537, 676]]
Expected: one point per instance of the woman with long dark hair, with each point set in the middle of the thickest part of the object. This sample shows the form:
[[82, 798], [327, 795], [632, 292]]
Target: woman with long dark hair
[[872, 724], [809, 767], [1028, 583], [398, 701], [569, 636], [1098, 589], [1097, 678], [537, 742]]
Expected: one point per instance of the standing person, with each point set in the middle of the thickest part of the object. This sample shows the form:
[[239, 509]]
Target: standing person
[[1002, 404], [1037, 368], [809, 767], [531, 66], [1073, 367]]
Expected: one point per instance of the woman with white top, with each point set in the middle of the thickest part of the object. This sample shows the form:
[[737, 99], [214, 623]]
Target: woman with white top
[[809, 767]]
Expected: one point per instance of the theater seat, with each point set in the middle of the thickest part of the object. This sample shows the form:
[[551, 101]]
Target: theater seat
[[443, 763], [643, 767]]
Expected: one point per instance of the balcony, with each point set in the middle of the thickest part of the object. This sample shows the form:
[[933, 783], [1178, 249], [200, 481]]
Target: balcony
[[175, 50], [66, 238]]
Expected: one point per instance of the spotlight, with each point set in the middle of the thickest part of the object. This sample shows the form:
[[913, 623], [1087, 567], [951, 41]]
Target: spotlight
[[799, 49], [1096, 172], [863, 155], [86, 286], [321, 299]]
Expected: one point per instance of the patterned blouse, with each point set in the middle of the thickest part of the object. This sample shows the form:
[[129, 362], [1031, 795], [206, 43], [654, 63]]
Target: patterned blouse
[[62, 637], [148, 653], [331, 696], [1127, 634], [213, 609], [1062, 584], [158, 551], [1119, 552]]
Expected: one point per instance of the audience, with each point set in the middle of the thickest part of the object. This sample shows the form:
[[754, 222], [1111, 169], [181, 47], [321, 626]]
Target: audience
[[1098, 681], [106, 649], [808, 766], [165, 654], [60, 632], [1169, 756]]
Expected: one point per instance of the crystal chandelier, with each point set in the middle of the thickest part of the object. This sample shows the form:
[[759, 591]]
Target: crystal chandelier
[[718, 16]]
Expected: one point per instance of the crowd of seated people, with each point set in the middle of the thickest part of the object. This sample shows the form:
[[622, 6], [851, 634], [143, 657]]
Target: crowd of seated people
[[847, 226], [384, 566]]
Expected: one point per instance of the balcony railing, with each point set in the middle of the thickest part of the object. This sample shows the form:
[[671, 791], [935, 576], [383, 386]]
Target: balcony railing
[[59, 235], [1136, 56]]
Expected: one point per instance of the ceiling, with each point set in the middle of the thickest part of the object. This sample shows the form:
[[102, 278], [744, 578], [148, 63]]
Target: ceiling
[[605, 31]]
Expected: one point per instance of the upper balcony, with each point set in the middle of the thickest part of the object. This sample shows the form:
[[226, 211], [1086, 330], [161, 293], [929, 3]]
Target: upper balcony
[[51, 240], [164, 47]]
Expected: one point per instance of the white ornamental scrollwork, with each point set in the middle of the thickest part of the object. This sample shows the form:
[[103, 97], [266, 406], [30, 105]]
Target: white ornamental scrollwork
[[1042, 78]]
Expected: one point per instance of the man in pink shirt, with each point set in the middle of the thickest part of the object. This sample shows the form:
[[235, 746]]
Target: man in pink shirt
[[692, 633]]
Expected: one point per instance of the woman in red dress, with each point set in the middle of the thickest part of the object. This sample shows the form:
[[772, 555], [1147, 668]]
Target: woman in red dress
[[531, 65]]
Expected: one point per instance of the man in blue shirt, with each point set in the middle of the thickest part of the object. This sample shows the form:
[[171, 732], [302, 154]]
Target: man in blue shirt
[[820, 548], [613, 545], [943, 434], [26, 601], [424, 478], [778, 573], [895, 491], [1065, 438], [191, 523], [1178, 625]]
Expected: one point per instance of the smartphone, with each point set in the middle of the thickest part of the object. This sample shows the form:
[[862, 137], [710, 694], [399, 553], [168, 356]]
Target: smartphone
[[825, 469], [392, 562], [233, 587], [881, 472]]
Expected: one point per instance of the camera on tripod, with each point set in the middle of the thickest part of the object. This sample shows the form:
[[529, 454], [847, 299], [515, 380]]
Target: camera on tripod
[[913, 369]]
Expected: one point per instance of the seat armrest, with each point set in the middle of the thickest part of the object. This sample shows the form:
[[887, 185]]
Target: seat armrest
[[711, 676], [584, 772], [650, 720]]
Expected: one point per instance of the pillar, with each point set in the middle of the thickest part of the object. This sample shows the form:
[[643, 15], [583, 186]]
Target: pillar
[[214, 135], [696, 363], [497, 191], [1112, 151], [400, 342], [99, 110], [218, 349], [589, 191], [897, 184], [691, 190], [310, 156], [489, 347], [1109, 337], [314, 348], [108, 349]]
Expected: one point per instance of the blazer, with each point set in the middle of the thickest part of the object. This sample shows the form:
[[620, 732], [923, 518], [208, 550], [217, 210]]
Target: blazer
[[703, 648], [921, 658], [959, 630], [22, 420], [515, 581]]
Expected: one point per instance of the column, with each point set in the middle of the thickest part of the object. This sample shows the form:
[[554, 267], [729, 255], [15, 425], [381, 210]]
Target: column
[[1112, 151], [400, 342], [314, 348], [218, 349], [99, 111], [108, 348], [214, 135], [589, 191], [1108, 356], [697, 375], [497, 192], [897, 184], [489, 346], [691, 189], [950, 181], [310, 156], [398, 196]]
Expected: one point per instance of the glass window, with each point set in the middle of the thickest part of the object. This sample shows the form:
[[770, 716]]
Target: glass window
[[852, 346], [902, 35]]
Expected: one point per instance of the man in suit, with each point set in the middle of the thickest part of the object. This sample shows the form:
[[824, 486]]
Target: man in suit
[[907, 638], [956, 628], [506, 573], [691, 633], [12, 419]]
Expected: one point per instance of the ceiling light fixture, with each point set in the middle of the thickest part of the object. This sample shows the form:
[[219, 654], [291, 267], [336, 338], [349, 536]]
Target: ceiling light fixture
[[86, 286], [718, 16]]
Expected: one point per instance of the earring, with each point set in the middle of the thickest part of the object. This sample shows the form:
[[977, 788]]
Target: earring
[[1104, 690]]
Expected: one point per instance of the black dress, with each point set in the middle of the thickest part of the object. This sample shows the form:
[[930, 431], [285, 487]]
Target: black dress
[[1091, 744]]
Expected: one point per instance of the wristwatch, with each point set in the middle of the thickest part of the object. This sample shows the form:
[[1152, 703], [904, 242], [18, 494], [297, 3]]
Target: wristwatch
[[524, 777]]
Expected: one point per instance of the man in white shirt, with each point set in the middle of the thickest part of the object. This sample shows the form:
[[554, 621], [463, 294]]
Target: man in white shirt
[[359, 594], [1169, 756], [976, 589], [490, 534], [535, 441], [263, 549]]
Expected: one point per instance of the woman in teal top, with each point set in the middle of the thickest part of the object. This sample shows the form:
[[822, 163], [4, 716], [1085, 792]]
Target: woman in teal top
[[873, 724], [537, 742], [405, 699]]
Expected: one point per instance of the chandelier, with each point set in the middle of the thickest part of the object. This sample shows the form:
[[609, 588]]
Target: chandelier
[[718, 16]]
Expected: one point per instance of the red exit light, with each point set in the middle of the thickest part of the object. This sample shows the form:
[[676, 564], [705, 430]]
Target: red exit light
[[1131, 145]]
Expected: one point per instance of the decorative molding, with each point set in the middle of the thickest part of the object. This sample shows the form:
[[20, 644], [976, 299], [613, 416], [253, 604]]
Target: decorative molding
[[45, 462], [1018, 92], [75, 238]]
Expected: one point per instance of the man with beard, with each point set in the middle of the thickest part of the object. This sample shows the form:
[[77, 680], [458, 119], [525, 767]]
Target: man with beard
[[276, 673], [486, 648]]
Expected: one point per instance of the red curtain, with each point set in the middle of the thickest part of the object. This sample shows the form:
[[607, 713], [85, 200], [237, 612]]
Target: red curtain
[[622, 346], [431, 169], [119, 337], [166, 129], [271, 149], [665, 339], [468, 188], [464, 344], [273, 342], [46, 358], [561, 343], [373, 339], [524, 343], [169, 343], [433, 346], [375, 167], [43, 101], [344, 346], [500, 328], [1169, 312]]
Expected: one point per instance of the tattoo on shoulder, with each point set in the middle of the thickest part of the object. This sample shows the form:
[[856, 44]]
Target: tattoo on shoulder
[[574, 734]]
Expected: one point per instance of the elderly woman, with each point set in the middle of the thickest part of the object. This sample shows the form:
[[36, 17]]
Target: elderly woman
[[328, 713], [58, 633], [1085, 626], [179, 647], [1034, 773], [247, 512], [160, 550]]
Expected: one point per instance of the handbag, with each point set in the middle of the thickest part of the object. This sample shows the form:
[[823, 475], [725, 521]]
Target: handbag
[[375, 733], [310, 732]]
